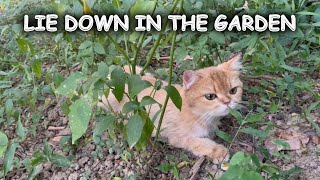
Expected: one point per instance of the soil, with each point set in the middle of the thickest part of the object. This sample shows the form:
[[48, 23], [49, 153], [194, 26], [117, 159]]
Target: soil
[[91, 161]]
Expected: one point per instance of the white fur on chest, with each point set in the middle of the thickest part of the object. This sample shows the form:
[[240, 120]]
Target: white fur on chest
[[199, 131]]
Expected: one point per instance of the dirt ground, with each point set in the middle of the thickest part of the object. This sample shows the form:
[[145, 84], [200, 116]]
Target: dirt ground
[[95, 162]]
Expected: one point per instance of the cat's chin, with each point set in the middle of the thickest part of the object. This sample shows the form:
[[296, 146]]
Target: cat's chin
[[224, 110]]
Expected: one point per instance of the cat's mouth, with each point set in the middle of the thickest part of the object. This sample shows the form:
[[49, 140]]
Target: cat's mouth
[[224, 109]]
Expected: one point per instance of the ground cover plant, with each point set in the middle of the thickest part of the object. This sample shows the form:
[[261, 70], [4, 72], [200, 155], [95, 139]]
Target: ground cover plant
[[50, 84]]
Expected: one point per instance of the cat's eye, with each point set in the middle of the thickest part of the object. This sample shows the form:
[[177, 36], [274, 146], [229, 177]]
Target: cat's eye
[[210, 96], [233, 90]]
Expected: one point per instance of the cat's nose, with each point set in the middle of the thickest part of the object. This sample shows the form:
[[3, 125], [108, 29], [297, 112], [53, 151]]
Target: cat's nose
[[225, 100]]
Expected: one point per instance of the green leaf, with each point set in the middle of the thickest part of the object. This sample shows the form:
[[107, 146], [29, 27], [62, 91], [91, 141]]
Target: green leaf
[[35, 172], [273, 107], [165, 167], [9, 107], [136, 85], [98, 48], [103, 123], [251, 175], [69, 85], [306, 13], [147, 100], [130, 106], [21, 131], [22, 44], [79, 116], [232, 173], [36, 66], [312, 107], [217, 37], [118, 78], [307, 113], [85, 44], [174, 96], [271, 169], [254, 132], [255, 160], [47, 150], [146, 132], [38, 158], [65, 107], [103, 70], [64, 140], [134, 129], [58, 79], [8, 158], [225, 136], [237, 158], [176, 173], [143, 7], [293, 69], [60, 160], [282, 144], [3, 143], [254, 117], [236, 114], [158, 84], [289, 174]]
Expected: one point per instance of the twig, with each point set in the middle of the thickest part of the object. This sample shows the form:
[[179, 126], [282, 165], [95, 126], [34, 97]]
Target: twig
[[56, 128], [234, 138], [196, 167], [264, 77], [270, 88]]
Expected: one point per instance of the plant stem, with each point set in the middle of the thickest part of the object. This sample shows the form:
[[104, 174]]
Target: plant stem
[[141, 37], [169, 84], [119, 49], [134, 61], [156, 45], [173, 42]]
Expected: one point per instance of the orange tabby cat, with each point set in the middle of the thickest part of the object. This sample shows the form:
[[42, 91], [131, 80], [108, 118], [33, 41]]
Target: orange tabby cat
[[206, 96]]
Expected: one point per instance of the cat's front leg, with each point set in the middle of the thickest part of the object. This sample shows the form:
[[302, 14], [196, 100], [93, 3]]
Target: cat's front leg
[[207, 147]]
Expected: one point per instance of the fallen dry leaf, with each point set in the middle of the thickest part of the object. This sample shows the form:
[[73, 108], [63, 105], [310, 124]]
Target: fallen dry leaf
[[248, 147], [316, 139], [64, 132], [55, 140], [296, 141], [293, 135]]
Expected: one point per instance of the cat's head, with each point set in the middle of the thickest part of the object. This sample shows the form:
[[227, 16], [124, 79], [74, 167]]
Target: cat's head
[[214, 90]]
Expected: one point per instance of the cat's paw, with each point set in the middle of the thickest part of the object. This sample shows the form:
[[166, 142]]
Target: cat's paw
[[219, 154]]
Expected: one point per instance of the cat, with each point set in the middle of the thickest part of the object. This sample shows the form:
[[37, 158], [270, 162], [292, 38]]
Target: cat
[[207, 94]]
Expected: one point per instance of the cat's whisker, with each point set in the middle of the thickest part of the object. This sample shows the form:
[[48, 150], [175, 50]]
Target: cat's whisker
[[208, 117], [200, 120], [203, 116]]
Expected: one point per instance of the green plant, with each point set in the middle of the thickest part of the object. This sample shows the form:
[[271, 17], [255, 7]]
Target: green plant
[[38, 70]]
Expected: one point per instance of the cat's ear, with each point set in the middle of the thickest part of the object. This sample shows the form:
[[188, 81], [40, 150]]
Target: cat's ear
[[189, 78], [234, 64]]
